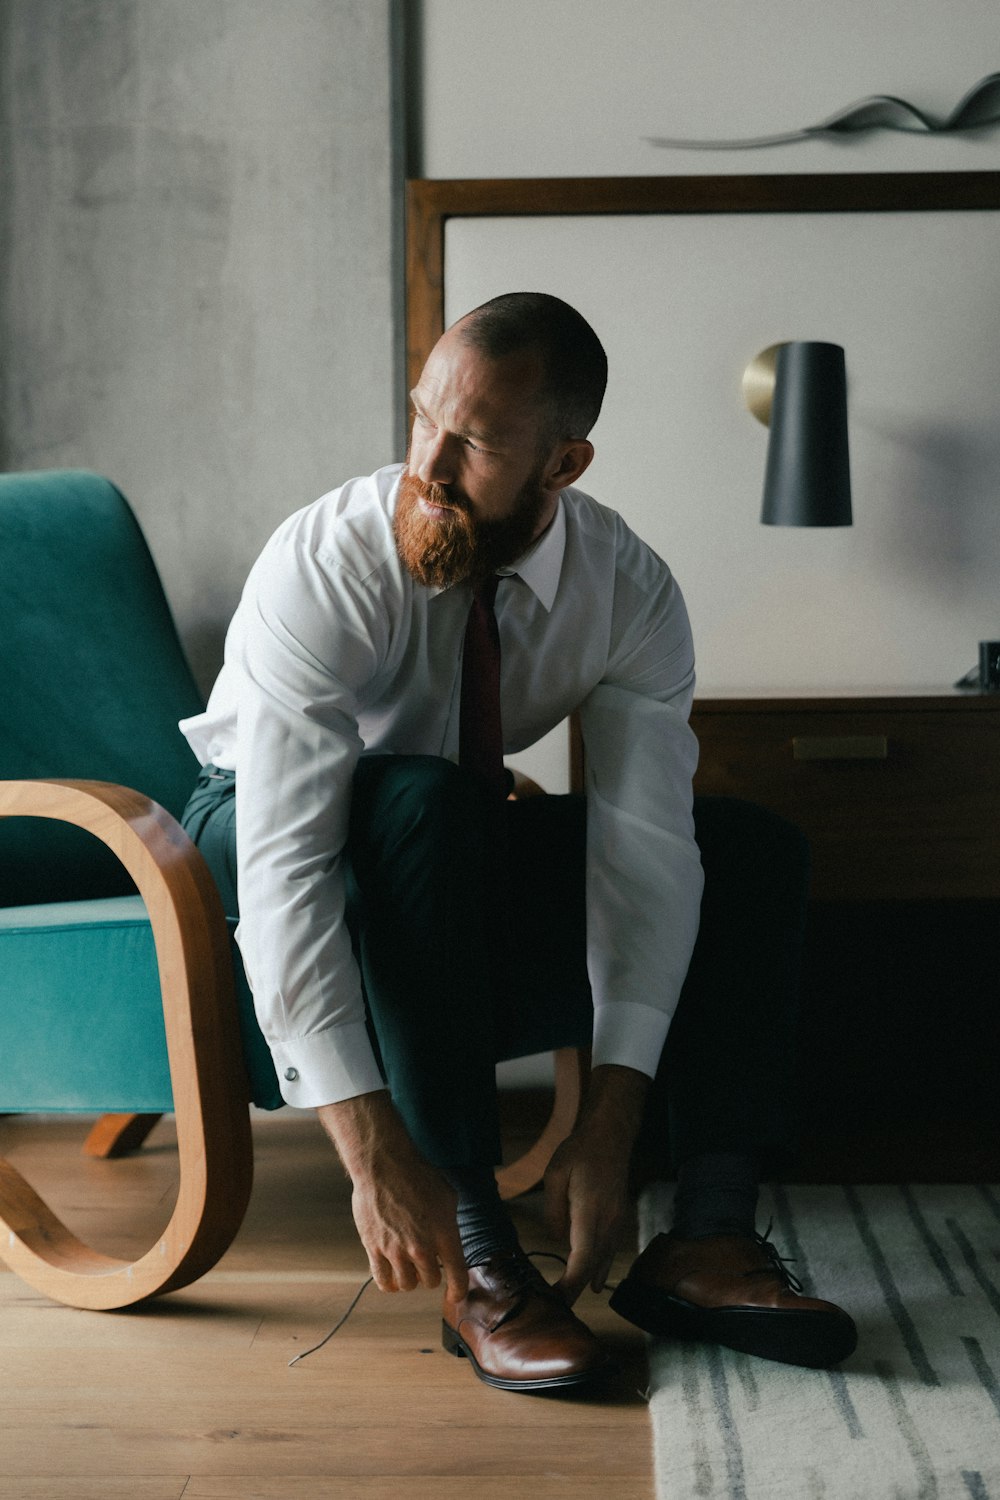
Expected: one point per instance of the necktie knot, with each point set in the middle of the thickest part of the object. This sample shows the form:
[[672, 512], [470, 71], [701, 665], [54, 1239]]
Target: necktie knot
[[485, 591]]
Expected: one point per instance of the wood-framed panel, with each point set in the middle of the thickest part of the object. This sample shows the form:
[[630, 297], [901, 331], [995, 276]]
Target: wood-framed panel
[[431, 203]]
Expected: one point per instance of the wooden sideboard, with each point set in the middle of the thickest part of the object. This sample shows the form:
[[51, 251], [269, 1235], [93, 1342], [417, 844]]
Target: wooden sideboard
[[897, 792], [899, 1029]]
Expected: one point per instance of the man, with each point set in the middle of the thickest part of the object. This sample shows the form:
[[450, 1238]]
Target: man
[[404, 925]]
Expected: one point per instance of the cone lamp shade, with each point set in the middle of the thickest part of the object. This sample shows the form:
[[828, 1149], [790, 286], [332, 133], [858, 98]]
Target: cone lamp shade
[[807, 481]]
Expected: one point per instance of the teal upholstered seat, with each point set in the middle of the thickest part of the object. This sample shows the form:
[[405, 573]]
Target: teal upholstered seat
[[58, 1055], [86, 1032], [92, 683]]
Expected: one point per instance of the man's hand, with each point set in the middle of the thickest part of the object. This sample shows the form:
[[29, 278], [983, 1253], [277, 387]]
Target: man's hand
[[586, 1185], [403, 1208]]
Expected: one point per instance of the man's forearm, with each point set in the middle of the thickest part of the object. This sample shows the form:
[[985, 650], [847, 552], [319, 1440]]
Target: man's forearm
[[403, 1208], [613, 1105], [366, 1131]]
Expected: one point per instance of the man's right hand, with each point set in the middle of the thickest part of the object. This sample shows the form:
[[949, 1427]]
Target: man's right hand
[[403, 1208]]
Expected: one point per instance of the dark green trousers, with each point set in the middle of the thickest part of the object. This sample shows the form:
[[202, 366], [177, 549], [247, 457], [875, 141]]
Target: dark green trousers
[[469, 928]]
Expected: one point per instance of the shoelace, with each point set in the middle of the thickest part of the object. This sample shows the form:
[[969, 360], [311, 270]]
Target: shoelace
[[337, 1326], [777, 1264], [514, 1284]]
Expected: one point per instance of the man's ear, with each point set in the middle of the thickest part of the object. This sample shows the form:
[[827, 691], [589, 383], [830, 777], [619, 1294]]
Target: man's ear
[[567, 462]]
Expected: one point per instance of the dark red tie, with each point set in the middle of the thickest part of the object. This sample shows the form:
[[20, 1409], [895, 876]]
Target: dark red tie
[[480, 737]]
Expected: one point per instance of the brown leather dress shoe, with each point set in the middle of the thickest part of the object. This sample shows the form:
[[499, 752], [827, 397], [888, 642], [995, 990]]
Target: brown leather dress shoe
[[517, 1331], [734, 1290]]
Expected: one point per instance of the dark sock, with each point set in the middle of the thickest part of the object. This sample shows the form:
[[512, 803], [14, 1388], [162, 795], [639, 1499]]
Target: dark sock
[[716, 1194], [484, 1225]]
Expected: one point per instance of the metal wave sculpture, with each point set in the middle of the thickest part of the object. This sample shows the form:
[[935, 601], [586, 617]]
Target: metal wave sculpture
[[978, 108]]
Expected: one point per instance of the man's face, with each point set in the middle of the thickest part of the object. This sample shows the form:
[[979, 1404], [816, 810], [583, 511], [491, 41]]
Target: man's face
[[475, 492]]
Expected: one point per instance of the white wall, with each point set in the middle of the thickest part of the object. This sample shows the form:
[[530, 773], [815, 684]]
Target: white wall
[[537, 88], [563, 89], [198, 294]]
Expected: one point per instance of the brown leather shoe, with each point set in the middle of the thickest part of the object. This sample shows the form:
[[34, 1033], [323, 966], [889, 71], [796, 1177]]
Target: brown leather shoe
[[517, 1331], [734, 1290]]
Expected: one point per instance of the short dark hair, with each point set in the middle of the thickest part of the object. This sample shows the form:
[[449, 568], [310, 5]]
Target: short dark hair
[[574, 364]]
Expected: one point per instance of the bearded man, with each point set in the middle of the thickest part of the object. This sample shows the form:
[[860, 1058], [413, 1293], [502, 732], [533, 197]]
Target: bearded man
[[404, 924]]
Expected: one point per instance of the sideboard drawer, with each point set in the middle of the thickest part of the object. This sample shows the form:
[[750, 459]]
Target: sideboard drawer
[[899, 798]]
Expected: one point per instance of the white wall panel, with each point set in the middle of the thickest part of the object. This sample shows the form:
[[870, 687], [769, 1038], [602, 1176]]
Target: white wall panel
[[682, 303]]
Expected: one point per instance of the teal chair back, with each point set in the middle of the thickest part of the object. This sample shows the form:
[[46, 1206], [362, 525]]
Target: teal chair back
[[93, 680], [93, 675]]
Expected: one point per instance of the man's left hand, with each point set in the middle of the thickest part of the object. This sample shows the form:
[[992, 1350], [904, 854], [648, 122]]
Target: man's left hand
[[586, 1185]]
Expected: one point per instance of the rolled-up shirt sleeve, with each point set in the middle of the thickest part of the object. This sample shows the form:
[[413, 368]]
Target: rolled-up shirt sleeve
[[311, 636], [644, 877]]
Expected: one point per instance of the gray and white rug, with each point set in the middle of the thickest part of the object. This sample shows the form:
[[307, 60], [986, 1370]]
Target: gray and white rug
[[913, 1415]]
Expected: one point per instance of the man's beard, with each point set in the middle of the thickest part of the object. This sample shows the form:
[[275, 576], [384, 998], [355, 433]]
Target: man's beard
[[443, 550]]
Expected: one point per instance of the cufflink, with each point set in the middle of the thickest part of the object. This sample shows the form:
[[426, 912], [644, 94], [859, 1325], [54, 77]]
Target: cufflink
[[291, 1074]]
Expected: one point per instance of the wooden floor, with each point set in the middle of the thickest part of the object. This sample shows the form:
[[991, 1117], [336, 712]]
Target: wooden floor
[[193, 1396]]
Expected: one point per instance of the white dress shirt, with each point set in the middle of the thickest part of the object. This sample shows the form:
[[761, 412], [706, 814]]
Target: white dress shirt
[[335, 651]]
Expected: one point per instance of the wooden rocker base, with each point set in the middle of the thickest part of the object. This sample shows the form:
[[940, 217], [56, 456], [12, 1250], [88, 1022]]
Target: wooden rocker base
[[206, 1066]]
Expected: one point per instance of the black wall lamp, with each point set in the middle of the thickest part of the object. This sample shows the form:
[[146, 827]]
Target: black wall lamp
[[799, 390]]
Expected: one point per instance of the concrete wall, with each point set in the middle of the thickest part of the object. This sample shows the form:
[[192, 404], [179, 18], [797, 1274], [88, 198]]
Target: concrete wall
[[200, 283], [572, 87]]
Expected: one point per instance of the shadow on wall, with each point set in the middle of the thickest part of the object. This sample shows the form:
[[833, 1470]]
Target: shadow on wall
[[939, 514], [203, 644]]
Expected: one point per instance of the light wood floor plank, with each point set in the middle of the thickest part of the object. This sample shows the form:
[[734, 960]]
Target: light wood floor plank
[[97, 1487], [533, 1454], [434, 1487], [357, 1382]]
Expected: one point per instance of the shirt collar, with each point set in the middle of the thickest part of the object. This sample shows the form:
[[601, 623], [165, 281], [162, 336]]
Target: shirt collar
[[541, 565]]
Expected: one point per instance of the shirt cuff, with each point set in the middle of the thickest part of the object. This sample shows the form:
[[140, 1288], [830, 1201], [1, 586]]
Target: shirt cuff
[[629, 1035], [327, 1066]]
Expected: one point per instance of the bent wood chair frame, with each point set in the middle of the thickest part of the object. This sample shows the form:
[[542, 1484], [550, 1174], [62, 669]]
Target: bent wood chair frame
[[203, 1047]]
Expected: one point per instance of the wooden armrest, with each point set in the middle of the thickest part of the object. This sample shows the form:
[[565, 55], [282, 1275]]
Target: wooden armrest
[[203, 1048], [572, 1070]]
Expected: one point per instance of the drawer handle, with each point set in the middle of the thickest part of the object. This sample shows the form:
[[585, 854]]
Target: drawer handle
[[840, 747]]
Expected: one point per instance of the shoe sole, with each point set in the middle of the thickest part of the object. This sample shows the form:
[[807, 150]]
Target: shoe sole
[[816, 1340], [453, 1343]]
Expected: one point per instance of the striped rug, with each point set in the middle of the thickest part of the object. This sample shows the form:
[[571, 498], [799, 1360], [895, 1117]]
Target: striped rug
[[913, 1415]]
